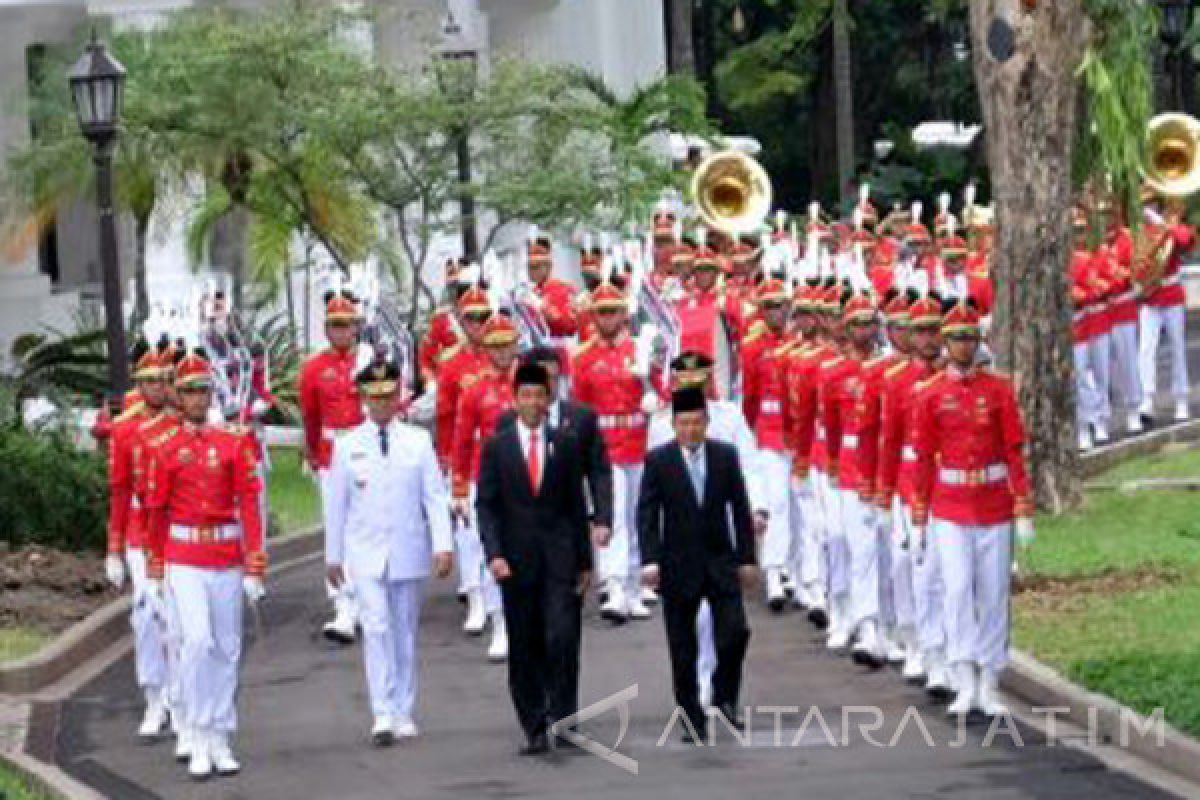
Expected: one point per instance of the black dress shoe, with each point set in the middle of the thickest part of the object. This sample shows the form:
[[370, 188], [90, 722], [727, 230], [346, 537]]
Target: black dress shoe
[[564, 744], [776, 604], [818, 618], [537, 744], [701, 732]]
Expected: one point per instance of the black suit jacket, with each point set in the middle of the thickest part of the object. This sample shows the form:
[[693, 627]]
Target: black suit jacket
[[543, 535], [593, 454], [690, 540]]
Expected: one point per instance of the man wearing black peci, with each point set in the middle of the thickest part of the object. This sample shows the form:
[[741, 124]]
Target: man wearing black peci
[[697, 538], [534, 526]]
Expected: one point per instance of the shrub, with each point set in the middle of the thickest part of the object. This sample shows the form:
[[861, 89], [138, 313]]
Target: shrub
[[51, 493]]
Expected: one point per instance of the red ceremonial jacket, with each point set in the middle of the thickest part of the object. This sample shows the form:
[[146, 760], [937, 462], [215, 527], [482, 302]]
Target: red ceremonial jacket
[[603, 379], [329, 400]]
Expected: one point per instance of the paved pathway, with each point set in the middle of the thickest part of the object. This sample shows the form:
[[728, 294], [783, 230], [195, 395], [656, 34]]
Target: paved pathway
[[304, 729]]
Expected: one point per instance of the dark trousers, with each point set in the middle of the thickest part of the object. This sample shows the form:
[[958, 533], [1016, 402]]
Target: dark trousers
[[732, 635], [544, 627]]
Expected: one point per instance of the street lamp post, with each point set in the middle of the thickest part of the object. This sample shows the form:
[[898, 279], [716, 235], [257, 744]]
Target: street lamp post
[[458, 48], [1176, 19], [97, 85]]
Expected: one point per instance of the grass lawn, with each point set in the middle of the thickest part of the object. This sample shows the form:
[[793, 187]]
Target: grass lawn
[[14, 787], [292, 493], [19, 642], [1114, 593]]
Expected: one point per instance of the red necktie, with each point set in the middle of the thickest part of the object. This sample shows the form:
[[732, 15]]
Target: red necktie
[[535, 462]]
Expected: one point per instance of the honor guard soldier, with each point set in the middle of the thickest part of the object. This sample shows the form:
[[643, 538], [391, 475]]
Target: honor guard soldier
[[135, 435], [1118, 249], [763, 355], [699, 310], [609, 379], [556, 298], [444, 331], [459, 368], [591, 269], [971, 487], [206, 538], [389, 518], [330, 407], [480, 409]]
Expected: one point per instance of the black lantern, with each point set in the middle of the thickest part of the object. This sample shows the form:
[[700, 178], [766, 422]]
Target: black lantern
[[97, 87]]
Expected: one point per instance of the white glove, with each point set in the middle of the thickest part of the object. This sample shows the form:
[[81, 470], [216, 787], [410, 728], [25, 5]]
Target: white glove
[[649, 404], [114, 570], [252, 587], [1025, 532]]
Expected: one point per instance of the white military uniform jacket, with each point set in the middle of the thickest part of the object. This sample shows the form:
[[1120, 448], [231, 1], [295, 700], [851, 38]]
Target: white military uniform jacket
[[726, 423], [386, 515]]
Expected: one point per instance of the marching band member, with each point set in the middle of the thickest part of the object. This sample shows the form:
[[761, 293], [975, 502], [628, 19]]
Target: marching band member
[[206, 538], [555, 297], [1164, 310], [700, 308], [480, 409], [591, 270], [847, 429], [383, 472], [1084, 298], [609, 379], [330, 407], [135, 435], [458, 369], [1118, 249], [971, 486], [445, 331], [763, 354], [916, 582]]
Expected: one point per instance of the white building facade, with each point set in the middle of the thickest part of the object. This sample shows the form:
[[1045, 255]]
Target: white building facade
[[46, 279]]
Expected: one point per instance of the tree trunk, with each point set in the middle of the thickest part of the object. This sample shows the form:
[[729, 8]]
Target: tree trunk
[[141, 293], [844, 90], [823, 164], [681, 58], [229, 248], [1029, 111]]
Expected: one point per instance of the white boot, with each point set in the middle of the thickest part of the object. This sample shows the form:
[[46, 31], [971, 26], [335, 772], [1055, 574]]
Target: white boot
[[341, 628], [1182, 412], [200, 764], [1146, 409], [383, 731], [775, 593], [868, 650], [1085, 439], [789, 583], [183, 744], [476, 619], [914, 666], [1133, 422], [1101, 433], [637, 609], [989, 699], [966, 682], [938, 680], [498, 649], [649, 597], [614, 608], [893, 648], [405, 728], [155, 717], [222, 755], [839, 625]]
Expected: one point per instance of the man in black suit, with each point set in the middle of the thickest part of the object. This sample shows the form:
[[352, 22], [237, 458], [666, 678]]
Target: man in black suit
[[534, 526], [567, 415], [693, 493]]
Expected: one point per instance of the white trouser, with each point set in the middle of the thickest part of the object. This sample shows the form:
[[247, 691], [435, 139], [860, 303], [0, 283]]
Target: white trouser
[[1087, 402], [902, 568], [837, 548], [776, 469], [929, 591], [207, 608], [1100, 362], [976, 566], [345, 603], [810, 569], [149, 622], [883, 549], [1154, 322], [1127, 385], [473, 572], [621, 559], [390, 614], [862, 538], [706, 646]]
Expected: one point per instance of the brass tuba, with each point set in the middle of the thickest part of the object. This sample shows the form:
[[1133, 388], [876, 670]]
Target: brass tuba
[[1172, 172], [732, 192]]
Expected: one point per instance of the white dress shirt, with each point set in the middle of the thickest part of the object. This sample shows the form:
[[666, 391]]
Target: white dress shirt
[[371, 524]]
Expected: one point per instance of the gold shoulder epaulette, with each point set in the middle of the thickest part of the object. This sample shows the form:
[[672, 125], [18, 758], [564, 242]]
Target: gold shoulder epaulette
[[895, 370], [583, 347], [130, 413], [449, 353], [930, 381]]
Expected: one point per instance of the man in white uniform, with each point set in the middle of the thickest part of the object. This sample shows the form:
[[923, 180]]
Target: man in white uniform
[[387, 518], [725, 424]]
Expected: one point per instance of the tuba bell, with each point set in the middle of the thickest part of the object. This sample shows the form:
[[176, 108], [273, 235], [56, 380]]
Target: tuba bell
[[1173, 155], [732, 192]]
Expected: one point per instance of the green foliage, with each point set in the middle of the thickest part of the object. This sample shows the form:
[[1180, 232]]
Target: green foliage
[[14, 786], [1120, 96], [52, 494], [16, 643], [64, 368]]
